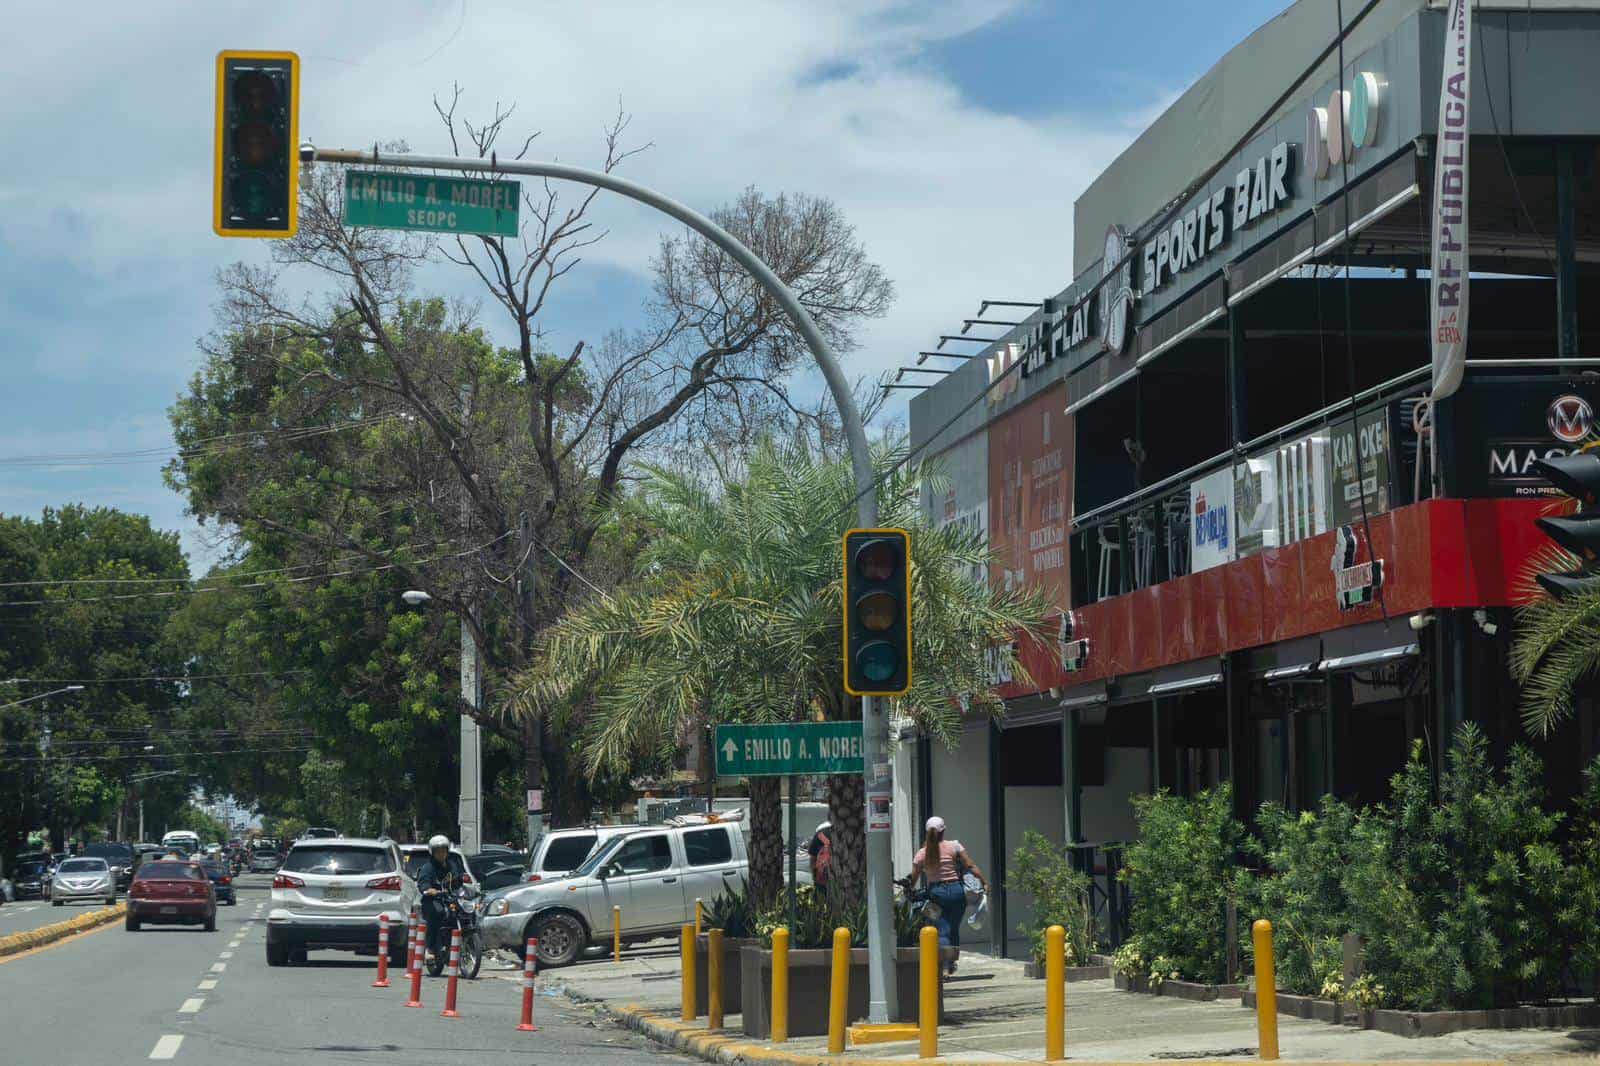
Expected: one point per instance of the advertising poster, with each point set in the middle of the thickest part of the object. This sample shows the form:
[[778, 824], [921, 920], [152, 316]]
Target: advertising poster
[[1211, 534], [1255, 506], [1030, 496], [1513, 424], [1360, 466]]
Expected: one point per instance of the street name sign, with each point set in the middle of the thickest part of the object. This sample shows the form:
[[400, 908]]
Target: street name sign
[[387, 200], [789, 748]]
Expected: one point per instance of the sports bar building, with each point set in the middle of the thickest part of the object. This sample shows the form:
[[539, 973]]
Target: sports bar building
[[1208, 444]]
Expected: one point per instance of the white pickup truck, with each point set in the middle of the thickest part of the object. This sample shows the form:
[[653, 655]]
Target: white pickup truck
[[653, 874]]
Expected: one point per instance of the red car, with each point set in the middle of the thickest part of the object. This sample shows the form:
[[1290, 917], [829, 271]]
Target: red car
[[171, 893]]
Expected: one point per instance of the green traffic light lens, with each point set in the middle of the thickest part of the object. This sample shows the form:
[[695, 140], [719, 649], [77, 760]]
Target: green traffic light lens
[[877, 662], [877, 560], [877, 611]]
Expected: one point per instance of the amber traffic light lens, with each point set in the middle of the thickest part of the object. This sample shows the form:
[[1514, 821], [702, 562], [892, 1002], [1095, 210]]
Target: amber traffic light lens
[[256, 144], [877, 561], [877, 611]]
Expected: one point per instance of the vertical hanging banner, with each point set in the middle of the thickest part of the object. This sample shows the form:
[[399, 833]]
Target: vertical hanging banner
[[1447, 303]]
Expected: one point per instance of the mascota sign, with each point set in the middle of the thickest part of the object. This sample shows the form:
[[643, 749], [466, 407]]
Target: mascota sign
[[1448, 292]]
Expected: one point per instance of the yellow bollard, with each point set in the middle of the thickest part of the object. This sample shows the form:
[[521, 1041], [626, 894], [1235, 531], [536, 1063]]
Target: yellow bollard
[[1266, 991], [780, 985], [1055, 993], [839, 996], [699, 911], [714, 979], [616, 934], [928, 994], [686, 953]]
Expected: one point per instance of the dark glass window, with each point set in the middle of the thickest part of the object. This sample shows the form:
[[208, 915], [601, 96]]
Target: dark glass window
[[708, 847], [567, 853]]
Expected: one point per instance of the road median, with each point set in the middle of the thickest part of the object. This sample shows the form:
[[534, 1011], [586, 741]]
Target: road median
[[15, 943]]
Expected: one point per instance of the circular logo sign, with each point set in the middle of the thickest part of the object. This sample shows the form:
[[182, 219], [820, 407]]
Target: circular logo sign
[[1570, 418], [1365, 109], [1116, 295]]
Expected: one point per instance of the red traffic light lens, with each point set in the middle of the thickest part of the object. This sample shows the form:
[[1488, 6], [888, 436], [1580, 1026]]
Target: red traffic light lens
[[254, 93], [877, 560], [877, 611], [877, 662]]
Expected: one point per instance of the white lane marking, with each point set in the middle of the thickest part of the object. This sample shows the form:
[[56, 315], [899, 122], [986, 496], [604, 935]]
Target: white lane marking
[[207, 985], [167, 1046], [218, 967], [192, 1006]]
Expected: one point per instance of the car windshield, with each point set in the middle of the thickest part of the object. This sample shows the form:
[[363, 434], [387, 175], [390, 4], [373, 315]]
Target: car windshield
[[30, 869], [601, 855], [214, 869], [114, 852], [169, 871], [342, 859], [82, 866]]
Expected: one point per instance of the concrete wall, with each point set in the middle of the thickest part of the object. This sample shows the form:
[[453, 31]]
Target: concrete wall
[[1107, 814], [1042, 810], [961, 798]]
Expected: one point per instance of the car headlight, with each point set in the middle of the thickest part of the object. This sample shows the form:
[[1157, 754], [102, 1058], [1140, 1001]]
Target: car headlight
[[496, 908]]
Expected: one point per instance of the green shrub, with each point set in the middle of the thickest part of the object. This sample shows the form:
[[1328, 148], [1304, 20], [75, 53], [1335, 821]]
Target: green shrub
[[1181, 873], [1060, 897], [731, 912], [1306, 857]]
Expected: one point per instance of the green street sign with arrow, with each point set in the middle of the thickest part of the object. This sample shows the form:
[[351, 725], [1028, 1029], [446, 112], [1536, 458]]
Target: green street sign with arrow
[[789, 748]]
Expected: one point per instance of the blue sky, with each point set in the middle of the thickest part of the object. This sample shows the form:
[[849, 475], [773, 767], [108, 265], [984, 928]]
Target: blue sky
[[954, 135]]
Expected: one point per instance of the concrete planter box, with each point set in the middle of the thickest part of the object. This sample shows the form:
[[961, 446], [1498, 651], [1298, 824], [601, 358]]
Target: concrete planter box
[[1179, 989], [810, 973], [1434, 1023], [732, 986], [1074, 973]]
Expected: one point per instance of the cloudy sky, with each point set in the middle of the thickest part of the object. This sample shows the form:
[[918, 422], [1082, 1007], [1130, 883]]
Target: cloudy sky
[[954, 135]]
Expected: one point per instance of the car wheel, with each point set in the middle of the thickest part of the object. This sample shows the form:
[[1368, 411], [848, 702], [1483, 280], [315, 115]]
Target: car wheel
[[561, 939], [58, 903], [211, 922], [111, 901], [131, 924], [277, 954]]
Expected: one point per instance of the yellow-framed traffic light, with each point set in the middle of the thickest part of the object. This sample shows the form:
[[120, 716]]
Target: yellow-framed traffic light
[[256, 164], [877, 612]]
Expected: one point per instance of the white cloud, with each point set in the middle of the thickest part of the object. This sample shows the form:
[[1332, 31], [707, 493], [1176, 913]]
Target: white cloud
[[957, 202]]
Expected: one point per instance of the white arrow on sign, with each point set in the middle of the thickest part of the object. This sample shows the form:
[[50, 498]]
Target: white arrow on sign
[[729, 750]]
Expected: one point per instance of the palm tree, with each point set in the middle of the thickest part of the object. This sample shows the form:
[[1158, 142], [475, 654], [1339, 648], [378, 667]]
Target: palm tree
[[1557, 644], [733, 614]]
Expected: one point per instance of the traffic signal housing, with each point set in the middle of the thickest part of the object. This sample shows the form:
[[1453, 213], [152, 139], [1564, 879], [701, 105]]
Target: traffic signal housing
[[877, 612], [1577, 475], [256, 176]]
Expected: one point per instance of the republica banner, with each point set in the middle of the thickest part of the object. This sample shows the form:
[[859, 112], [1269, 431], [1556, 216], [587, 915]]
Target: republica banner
[[1448, 298]]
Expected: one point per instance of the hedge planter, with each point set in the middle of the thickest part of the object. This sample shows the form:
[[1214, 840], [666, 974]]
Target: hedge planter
[[732, 986], [1178, 989], [1035, 970], [1436, 1022], [810, 973]]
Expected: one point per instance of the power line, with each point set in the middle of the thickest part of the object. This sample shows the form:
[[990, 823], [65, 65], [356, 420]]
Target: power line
[[151, 677], [199, 447], [155, 755]]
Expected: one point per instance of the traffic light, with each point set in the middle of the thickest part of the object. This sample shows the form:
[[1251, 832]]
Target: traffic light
[[1578, 476], [256, 179], [877, 612]]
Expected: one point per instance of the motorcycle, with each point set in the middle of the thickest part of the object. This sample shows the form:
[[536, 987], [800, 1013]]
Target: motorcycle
[[461, 912], [924, 908]]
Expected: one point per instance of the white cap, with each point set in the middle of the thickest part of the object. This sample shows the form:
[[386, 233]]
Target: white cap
[[935, 824], [438, 840], [821, 826]]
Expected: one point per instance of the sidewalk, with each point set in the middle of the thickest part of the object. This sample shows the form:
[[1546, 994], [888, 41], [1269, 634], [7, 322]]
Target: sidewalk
[[995, 1014]]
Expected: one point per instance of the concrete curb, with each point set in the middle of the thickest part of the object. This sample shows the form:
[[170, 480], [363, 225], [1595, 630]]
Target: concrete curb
[[49, 934], [733, 1049]]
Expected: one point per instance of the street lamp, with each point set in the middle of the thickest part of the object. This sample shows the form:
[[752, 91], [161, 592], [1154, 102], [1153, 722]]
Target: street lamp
[[469, 809], [41, 695]]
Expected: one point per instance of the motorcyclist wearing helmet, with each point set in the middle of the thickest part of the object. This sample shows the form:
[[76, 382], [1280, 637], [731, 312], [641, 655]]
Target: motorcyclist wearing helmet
[[438, 879]]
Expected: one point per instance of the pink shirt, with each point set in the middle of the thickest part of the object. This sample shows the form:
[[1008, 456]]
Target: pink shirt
[[948, 868]]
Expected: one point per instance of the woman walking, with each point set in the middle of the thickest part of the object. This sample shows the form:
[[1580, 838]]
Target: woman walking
[[942, 864]]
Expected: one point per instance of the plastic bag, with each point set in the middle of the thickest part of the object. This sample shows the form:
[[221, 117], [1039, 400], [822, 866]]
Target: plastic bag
[[978, 917], [973, 888]]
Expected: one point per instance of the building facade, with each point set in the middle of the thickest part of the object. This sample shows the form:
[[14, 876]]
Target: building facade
[[1274, 567]]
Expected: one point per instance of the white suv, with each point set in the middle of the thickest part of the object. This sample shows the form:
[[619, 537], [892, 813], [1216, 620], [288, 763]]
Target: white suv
[[653, 874], [329, 893], [561, 851]]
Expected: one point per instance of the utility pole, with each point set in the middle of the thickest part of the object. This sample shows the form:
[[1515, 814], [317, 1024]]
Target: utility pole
[[469, 810], [532, 726]]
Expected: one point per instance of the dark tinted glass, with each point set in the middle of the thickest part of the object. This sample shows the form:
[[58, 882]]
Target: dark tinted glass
[[414, 861], [321, 859], [708, 847], [110, 852], [30, 869], [642, 855], [169, 871], [567, 853]]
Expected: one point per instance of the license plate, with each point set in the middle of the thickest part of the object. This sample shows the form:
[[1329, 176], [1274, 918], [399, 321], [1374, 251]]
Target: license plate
[[334, 892], [169, 910]]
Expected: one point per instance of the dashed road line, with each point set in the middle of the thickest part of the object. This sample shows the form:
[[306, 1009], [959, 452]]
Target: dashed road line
[[192, 1005], [225, 955], [207, 985], [167, 1046], [218, 967]]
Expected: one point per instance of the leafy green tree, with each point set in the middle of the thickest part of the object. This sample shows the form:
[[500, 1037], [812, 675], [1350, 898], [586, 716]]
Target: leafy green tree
[[733, 614]]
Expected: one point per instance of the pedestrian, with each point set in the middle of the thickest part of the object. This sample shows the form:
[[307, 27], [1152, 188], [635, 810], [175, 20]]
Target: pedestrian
[[942, 864], [821, 851]]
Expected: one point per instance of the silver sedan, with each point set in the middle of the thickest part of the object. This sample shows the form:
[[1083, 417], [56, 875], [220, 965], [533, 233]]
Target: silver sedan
[[80, 879]]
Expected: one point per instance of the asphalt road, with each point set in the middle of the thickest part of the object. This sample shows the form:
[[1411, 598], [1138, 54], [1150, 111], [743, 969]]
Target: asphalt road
[[183, 995], [23, 915]]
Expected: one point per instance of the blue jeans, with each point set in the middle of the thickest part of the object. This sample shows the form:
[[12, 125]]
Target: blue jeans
[[952, 901]]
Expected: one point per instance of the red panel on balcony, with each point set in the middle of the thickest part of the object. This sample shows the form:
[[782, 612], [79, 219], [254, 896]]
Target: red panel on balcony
[[1282, 594]]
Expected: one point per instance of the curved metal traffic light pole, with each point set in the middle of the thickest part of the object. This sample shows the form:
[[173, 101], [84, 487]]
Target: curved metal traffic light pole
[[874, 725]]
